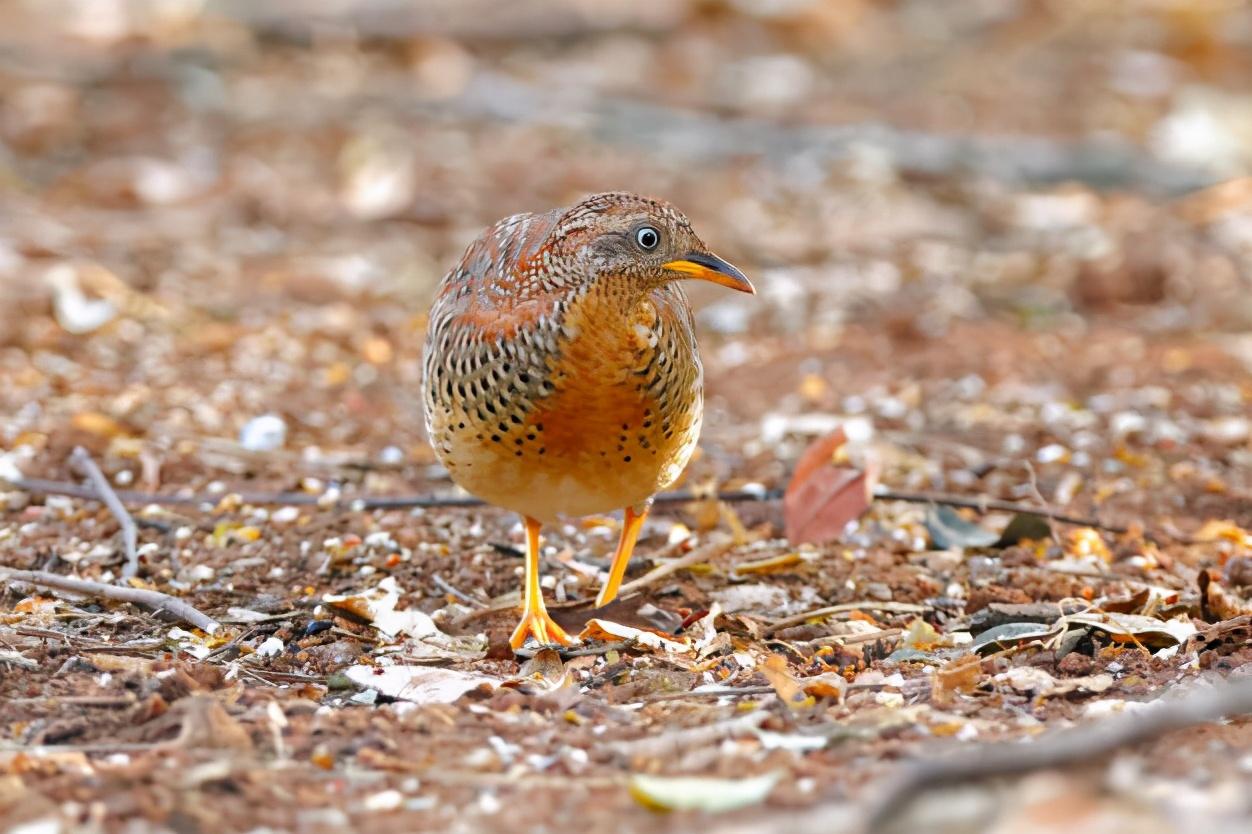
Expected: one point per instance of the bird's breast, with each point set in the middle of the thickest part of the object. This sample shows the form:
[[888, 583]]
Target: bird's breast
[[613, 419]]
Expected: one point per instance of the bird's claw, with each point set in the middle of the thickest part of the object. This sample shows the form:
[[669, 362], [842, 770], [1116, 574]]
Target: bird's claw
[[543, 628]]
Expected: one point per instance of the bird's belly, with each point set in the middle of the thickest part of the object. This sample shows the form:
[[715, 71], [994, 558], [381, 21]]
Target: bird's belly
[[579, 453]]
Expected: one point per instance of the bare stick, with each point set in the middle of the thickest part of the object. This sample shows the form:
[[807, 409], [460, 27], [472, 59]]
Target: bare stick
[[43, 486], [448, 588], [701, 554], [154, 600], [675, 742], [130, 534], [843, 608], [988, 504], [40, 486], [1079, 744]]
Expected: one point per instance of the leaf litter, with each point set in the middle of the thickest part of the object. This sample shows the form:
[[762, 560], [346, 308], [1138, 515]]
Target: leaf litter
[[190, 298]]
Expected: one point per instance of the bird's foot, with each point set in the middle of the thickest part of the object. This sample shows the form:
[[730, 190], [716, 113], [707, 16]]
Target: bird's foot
[[538, 624]]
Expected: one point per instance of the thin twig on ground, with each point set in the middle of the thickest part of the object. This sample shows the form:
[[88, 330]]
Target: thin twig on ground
[[843, 608], [732, 691], [154, 600], [706, 553], [673, 743], [1079, 744], [43, 486], [130, 533], [450, 589], [983, 505]]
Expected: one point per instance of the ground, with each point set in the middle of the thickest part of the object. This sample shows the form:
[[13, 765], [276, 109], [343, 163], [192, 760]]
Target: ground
[[1033, 289]]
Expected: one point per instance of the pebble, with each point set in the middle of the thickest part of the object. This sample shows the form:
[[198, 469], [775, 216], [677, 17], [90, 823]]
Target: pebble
[[270, 648], [316, 627], [285, 515], [263, 434], [388, 800]]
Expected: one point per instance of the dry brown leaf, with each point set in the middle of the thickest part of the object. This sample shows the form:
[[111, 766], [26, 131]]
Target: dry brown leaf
[[822, 498], [960, 675], [609, 631], [790, 689]]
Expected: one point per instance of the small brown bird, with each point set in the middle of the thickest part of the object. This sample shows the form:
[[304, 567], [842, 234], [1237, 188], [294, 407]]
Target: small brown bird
[[561, 370]]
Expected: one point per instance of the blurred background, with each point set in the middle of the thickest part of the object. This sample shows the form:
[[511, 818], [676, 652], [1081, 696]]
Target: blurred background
[[1007, 225], [1005, 244]]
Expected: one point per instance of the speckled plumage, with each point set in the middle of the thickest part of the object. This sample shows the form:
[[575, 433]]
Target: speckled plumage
[[561, 371]]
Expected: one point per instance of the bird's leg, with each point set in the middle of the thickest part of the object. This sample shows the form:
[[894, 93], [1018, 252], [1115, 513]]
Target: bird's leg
[[631, 526], [535, 620]]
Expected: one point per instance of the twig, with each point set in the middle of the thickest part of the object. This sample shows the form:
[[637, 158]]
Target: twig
[[448, 588], [154, 600], [106, 701], [583, 651], [673, 743], [983, 505], [43, 486], [988, 504], [701, 554], [741, 691], [843, 608], [130, 534], [1079, 744], [846, 639]]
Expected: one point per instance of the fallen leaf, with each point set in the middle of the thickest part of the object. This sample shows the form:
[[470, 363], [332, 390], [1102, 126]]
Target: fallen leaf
[[822, 498], [1040, 683], [1011, 634], [826, 685], [543, 673], [774, 564], [960, 675], [695, 793], [758, 598], [419, 684], [1133, 628], [922, 636], [948, 530], [609, 631], [1024, 527], [377, 606], [790, 689]]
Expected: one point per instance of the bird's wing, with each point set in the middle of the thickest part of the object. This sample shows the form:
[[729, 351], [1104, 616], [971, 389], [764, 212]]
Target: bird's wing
[[493, 326]]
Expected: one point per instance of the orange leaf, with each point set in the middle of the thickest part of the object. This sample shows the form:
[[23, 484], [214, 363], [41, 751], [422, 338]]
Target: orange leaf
[[789, 689]]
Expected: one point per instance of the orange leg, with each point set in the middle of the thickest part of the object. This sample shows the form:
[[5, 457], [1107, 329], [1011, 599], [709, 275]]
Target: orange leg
[[625, 546], [535, 620]]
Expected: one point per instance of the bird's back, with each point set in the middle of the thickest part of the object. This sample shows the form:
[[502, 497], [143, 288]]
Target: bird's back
[[550, 396]]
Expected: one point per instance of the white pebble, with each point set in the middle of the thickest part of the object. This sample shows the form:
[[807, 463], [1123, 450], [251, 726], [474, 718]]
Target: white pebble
[[285, 515], [270, 648], [263, 434]]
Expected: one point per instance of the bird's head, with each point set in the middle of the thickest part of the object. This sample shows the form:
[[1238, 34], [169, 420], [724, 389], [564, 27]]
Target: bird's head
[[622, 237]]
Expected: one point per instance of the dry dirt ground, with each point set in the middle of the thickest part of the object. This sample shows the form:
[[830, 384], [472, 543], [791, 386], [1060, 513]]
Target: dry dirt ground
[[209, 217]]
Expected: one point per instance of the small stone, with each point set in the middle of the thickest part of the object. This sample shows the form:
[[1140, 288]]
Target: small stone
[[285, 515], [263, 434], [270, 648]]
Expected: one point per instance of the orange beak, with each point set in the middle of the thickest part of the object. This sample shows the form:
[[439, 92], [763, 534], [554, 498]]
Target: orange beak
[[706, 266]]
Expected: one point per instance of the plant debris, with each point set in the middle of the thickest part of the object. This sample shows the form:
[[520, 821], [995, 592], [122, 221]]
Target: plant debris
[[967, 542]]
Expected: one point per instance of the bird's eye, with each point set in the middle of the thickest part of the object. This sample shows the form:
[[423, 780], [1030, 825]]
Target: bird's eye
[[647, 237]]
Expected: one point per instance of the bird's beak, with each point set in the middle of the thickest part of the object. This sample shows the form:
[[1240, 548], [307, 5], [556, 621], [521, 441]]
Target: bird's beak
[[708, 267]]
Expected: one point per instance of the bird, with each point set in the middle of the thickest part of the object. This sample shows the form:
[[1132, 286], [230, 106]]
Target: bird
[[561, 376]]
